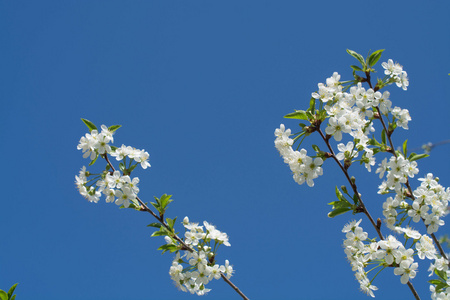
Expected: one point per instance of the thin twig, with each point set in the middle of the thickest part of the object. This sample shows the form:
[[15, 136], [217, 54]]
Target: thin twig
[[144, 207]]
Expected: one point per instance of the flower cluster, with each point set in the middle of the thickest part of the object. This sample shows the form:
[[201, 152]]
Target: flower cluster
[[398, 170], [348, 113], [395, 71], [362, 251], [118, 188], [192, 271], [430, 202], [304, 168]]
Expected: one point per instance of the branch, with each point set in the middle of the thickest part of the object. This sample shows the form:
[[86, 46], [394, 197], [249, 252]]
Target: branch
[[144, 207], [364, 209]]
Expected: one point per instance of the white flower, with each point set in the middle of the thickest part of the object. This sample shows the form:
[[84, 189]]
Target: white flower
[[402, 81], [142, 158], [406, 270], [336, 127], [433, 223], [367, 287], [409, 232], [425, 248], [228, 269], [351, 226], [346, 151], [390, 245], [325, 94], [392, 69], [124, 196]]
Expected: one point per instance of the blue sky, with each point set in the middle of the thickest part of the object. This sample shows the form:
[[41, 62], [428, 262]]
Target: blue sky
[[201, 85]]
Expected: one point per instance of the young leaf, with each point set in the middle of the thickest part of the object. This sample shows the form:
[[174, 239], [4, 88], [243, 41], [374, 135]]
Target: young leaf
[[11, 290], [374, 57], [89, 124], [383, 137], [131, 169], [114, 127], [157, 225], [161, 232], [93, 161], [415, 156], [298, 114], [165, 200], [3, 295], [358, 57], [356, 68], [338, 211], [170, 222], [405, 148], [312, 104], [168, 247]]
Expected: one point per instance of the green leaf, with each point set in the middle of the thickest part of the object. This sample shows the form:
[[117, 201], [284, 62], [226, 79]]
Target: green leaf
[[338, 211], [355, 199], [316, 148], [11, 290], [89, 124], [170, 222], [441, 274], [165, 200], [95, 159], [122, 167], [161, 232], [298, 114], [356, 68], [435, 281], [415, 156], [114, 127], [156, 205], [358, 57], [131, 169], [3, 295], [374, 57], [339, 195], [157, 225], [312, 104], [383, 137], [168, 247], [405, 148], [13, 297]]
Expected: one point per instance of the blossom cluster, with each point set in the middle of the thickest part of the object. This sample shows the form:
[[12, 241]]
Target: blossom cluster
[[362, 251], [395, 71], [353, 110], [192, 271], [348, 113], [118, 188], [94, 143], [430, 202], [303, 167]]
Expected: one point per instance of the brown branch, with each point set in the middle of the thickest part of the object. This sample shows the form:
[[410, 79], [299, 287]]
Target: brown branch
[[364, 209], [185, 247]]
